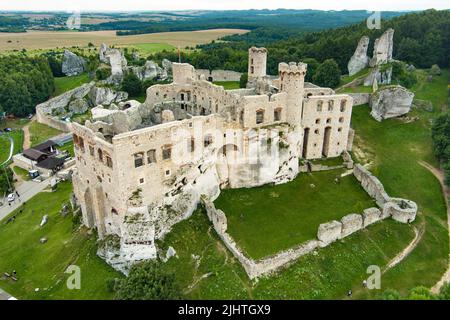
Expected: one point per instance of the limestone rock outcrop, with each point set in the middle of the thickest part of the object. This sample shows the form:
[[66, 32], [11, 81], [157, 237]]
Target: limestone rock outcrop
[[78, 106], [382, 76], [72, 64], [106, 96], [359, 60], [150, 71], [117, 61], [391, 102], [167, 65], [382, 49]]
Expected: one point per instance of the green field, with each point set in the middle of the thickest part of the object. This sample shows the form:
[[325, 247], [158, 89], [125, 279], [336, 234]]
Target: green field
[[268, 219], [40, 133], [228, 85], [65, 84], [149, 48], [17, 136], [42, 265], [68, 147]]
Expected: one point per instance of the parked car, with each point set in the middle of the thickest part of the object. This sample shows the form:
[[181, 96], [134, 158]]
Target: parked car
[[11, 197], [7, 129]]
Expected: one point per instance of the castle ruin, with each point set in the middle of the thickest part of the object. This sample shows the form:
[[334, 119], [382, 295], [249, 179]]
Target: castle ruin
[[143, 167]]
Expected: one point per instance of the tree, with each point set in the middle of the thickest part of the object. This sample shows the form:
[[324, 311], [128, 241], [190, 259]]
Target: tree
[[243, 80], [132, 84], [420, 293], [328, 74], [6, 180], [390, 294], [101, 73], [313, 64], [55, 66], [147, 281]]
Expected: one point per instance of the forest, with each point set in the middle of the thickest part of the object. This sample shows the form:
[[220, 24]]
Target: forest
[[422, 39], [24, 83]]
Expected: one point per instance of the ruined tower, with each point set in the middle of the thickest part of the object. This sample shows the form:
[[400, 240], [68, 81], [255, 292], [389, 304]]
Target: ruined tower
[[292, 80], [257, 61]]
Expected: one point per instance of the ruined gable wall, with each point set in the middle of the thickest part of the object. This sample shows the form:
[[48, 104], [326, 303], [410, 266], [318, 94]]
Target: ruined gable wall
[[317, 121], [250, 105], [96, 179]]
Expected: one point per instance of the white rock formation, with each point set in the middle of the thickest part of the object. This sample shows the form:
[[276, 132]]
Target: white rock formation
[[382, 49], [359, 60], [391, 102], [72, 64], [117, 61], [150, 70], [105, 96]]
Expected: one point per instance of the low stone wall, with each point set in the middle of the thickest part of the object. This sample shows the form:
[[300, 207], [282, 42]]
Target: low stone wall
[[53, 122], [399, 209], [371, 184], [360, 98], [219, 75]]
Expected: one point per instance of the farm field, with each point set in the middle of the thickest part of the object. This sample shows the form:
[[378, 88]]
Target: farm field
[[53, 39]]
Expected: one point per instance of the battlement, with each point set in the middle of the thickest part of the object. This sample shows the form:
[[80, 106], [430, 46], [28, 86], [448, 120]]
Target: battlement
[[292, 68], [257, 50]]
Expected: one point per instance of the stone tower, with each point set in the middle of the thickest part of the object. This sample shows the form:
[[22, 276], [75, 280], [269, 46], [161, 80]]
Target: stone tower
[[257, 61], [292, 80]]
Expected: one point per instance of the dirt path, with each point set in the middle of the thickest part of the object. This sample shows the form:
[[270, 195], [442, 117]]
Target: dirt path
[[26, 135], [407, 250], [445, 190]]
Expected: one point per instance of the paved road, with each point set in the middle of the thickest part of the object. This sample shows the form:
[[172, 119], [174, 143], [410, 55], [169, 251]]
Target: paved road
[[27, 190], [5, 296]]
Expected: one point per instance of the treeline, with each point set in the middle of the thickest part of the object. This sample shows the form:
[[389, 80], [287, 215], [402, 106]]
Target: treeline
[[24, 83], [440, 134], [281, 19], [422, 39]]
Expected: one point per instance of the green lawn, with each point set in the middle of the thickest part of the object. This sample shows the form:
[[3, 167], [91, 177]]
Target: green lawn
[[5, 146], [64, 84], [347, 79], [228, 85], [68, 147], [22, 173], [148, 48], [17, 136], [359, 89], [42, 265], [268, 219], [40, 132], [329, 161], [14, 124]]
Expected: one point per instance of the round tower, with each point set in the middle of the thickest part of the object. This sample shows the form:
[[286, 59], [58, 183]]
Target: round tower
[[292, 81], [257, 61]]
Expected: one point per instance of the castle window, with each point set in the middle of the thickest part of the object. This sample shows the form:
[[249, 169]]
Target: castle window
[[141, 180], [100, 155], [319, 105], [241, 117], [341, 119], [151, 156], [167, 172], [329, 120], [330, 105], [81, 144], [277, 114], [252, 69], [182, 97], [75, 139], [138, 160], [339, 129], [99, 179], [91, 150], [208, 140], [191, 145], [316, 131], [114, 211], [317, 121], [167, 152], [109, 163], [259, 116], [165, 96], [343, 102]]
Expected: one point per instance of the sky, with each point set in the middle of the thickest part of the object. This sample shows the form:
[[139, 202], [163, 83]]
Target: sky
[[139, 5]]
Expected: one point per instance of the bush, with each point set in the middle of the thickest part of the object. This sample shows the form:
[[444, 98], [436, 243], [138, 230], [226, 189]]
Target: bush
[[6, 180], [147, 281], [132, 85], [103, 73], [243, 80]]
